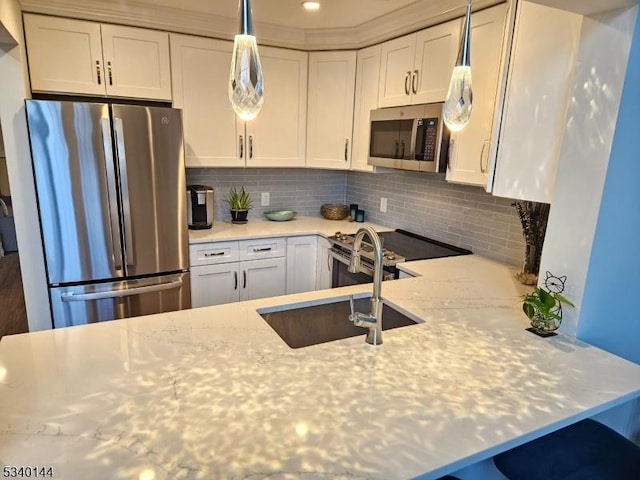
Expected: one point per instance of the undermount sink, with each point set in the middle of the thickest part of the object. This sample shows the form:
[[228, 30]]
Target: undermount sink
[[310, 325]]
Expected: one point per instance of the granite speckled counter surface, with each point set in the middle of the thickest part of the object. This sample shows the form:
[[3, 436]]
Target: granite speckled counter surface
[[214, 393], [256, 228]]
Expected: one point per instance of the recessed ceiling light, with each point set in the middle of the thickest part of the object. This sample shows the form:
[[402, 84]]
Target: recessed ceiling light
[[311, 5]]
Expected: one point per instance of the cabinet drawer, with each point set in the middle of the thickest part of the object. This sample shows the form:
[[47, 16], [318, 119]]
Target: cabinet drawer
[[262, 248], [212, 253]]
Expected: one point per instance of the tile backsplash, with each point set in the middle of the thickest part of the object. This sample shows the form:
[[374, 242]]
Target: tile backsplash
[[428, 205], [421, 203], [299, 189]]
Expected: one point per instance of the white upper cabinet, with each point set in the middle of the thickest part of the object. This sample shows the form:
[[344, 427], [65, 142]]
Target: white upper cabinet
[[416, 68], [137, 62], [64, 55], [214, 136], [367, 82], [396, 68], [212, 133], [332, 77], [470, 149], [87, 58], [535, 105], [276, 138], [436, 53]]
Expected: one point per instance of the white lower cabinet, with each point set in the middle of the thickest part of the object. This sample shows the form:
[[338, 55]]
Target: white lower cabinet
[[214, 284], [302, 254], [218, 277], [324, 265], [262, 278]]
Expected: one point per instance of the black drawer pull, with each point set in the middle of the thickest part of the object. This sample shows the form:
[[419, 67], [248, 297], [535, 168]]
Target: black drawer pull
[[214, 254], [264, 249]]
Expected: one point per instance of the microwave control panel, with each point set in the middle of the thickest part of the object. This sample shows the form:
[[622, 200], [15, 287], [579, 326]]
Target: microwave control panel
[[426, 139]]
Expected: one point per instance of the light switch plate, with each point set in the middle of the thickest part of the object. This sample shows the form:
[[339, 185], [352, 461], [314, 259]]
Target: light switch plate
[[264, 199], [383, 204]]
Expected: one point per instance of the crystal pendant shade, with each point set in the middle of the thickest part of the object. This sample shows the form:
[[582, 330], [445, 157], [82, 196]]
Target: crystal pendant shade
[[245, 79], [459, 102]]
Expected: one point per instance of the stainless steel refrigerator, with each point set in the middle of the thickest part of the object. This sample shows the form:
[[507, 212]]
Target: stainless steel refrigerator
[[111, 190]]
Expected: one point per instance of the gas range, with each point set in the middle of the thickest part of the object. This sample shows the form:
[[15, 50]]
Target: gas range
[[397, 246], [344, 243]]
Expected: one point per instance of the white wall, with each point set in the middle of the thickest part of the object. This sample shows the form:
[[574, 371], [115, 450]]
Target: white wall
[[609, 318], [591, 120], [15, 89]]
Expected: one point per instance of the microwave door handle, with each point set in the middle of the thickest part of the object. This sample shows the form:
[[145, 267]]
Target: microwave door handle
[[403, 143], [414, 138], [124, 191]]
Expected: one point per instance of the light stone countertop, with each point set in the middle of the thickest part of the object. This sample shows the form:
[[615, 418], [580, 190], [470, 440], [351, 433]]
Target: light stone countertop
[[257, 228], [214, 393]]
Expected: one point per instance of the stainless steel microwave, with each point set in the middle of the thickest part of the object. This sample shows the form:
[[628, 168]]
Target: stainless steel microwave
[[409, 138]]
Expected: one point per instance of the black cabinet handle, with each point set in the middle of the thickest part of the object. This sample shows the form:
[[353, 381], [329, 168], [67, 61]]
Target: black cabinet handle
[[264, 249], [98, 72], [235, 280], [244, 279]]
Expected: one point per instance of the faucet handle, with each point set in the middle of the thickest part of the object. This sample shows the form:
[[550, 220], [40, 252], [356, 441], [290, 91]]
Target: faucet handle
[[353, 310]]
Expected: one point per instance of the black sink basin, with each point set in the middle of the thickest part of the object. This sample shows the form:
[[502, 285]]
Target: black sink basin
[[305, 326]]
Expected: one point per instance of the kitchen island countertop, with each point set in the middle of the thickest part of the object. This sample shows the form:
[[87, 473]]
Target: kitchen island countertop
[[214, 393]]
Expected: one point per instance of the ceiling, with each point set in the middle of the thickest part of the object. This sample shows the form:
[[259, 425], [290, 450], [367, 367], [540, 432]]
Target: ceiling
[[290, 13], [337, 24]]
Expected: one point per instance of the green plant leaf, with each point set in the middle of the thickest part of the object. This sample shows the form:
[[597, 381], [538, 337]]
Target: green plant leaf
[[563, 299], [546, 298], [528, 310]]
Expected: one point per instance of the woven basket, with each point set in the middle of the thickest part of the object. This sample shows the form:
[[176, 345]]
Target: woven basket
[[334, 211]]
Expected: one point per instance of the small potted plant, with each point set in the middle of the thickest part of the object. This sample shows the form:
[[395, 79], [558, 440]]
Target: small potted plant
[[240, 203], [544, 307]]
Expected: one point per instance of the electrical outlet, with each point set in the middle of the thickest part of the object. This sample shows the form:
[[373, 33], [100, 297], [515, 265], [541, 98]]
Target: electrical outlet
[[264, 199], [383, 204]]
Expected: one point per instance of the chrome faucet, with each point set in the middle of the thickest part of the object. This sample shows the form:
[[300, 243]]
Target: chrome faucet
[[373, 320]]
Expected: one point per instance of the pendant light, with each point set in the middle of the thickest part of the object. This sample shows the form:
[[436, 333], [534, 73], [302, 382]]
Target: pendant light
[[459, 101], [245, 78]]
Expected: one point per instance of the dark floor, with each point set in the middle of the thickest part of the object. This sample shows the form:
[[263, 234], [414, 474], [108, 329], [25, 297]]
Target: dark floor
[[13, 315]]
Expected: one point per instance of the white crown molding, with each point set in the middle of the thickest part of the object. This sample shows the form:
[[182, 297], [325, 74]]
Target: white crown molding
[[137, 13]]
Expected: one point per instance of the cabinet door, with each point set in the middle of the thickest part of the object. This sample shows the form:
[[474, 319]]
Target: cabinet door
[[545, 40], [65, 56], [367, 82], [470, 148], [436, 53], [212, 133], [396, 67], [324, 265], [215, 284], [276, 138], [262, 278], [332, 77], [301, 263], [137, 62]]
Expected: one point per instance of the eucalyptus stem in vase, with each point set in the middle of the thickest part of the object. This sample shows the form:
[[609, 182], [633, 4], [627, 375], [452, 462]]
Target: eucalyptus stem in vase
[[533, 217]]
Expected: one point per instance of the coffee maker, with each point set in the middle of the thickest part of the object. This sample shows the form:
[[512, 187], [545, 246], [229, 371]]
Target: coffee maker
[[199, 206]]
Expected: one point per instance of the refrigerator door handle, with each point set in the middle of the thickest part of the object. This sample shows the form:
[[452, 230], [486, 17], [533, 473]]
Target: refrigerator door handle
[[124, 191], [112, 195], [125, 292]]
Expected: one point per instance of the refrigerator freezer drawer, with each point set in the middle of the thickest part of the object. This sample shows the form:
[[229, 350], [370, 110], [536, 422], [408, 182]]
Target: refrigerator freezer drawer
[[84, 304]]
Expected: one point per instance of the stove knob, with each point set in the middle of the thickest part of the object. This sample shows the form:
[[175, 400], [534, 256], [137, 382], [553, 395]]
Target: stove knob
[[338, 234], [391, 256]]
